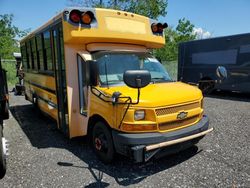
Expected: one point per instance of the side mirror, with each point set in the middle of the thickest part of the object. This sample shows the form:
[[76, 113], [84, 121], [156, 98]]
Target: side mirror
[[221, 72], [137, 78], [92, 72]]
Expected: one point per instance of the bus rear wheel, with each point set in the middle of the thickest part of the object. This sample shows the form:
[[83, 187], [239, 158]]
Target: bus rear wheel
[[102, 143], [206, 87]]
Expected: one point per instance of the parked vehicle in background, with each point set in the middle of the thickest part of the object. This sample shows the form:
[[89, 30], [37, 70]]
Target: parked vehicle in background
[[221, 63], [81, 67], [4, 114], [19, 87]]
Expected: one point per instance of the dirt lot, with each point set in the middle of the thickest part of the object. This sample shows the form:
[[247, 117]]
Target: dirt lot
[[40, 156]]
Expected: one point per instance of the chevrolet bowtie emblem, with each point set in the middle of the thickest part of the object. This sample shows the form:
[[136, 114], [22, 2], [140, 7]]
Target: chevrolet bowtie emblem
[[182, 115]]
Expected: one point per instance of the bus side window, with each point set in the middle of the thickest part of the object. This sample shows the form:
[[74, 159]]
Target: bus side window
[[83, 87], [47, 51]]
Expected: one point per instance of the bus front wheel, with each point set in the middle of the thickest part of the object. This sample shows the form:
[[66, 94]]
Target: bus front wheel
[[102, 142]]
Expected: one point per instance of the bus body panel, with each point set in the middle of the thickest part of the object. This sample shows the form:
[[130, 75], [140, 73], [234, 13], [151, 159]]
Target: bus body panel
[[152, 104], [43, 87], [199, 60], [114, 28], [66, 95]]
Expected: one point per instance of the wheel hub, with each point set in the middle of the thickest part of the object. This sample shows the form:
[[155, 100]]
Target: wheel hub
[[98, 144]]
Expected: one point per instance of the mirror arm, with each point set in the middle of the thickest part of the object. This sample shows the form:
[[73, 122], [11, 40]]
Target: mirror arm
[[129, 103], [138, 96], [115, 97]]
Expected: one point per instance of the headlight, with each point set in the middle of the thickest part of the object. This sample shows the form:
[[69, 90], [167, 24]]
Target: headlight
[[139, 115]]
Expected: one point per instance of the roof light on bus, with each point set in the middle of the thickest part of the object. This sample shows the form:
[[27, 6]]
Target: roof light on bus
[[154, 27], [87, 17], [159, 27], [165, 25], [75, 16]]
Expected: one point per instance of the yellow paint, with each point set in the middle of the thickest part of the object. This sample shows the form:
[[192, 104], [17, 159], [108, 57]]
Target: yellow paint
[[115, 30], [153, 96], [125, 25], [31, 82], [160, 94]]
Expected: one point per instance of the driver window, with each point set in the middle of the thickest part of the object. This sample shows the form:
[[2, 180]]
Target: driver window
[[83, 87]]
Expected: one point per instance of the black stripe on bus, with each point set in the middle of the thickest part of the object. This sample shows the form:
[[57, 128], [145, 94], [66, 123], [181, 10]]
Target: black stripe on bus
[[42, 87], [48, 102]]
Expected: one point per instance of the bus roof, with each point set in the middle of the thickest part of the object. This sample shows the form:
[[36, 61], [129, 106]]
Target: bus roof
[[109, 26], [227, 37]]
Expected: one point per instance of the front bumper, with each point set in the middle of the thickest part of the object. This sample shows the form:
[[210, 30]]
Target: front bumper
[[142, 146]]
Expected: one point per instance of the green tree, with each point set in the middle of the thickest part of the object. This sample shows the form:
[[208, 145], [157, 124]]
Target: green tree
[[149, 8], [153, 9], [8, 34]]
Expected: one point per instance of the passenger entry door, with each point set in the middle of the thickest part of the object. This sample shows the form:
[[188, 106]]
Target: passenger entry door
[[83, 84], [60, 77]]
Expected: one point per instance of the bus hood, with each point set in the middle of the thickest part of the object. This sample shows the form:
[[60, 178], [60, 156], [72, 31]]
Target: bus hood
[[159, 94]]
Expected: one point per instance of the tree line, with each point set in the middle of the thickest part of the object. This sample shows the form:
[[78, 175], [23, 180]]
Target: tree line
[[150, 8]]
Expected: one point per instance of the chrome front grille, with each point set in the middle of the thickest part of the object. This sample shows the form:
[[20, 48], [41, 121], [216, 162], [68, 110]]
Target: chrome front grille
[[175, 109], [178, 123]]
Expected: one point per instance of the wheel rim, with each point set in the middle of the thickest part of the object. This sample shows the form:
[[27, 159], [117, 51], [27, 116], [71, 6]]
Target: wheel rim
[[100, 142]]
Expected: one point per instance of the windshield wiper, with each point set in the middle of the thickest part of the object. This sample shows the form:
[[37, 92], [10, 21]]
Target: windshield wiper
[[154, 80]]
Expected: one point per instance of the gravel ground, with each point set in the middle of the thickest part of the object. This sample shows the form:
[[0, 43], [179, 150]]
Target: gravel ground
[[40, 156]]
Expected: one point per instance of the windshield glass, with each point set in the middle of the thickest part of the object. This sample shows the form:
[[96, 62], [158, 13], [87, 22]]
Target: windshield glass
[[112, 65]]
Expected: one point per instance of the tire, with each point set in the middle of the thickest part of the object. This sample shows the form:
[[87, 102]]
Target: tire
[[5, 110], [206, 87], [2, 155], [102, 143]]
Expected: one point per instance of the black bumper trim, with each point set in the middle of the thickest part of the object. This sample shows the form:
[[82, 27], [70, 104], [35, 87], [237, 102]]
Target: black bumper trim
[[133, 145]]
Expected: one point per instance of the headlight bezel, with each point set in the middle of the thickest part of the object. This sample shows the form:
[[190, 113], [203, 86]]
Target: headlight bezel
[[139, 115]]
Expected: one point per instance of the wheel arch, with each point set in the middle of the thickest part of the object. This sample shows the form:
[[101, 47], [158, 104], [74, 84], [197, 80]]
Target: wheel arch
[[93, 120], [206, 84], [206, 78]]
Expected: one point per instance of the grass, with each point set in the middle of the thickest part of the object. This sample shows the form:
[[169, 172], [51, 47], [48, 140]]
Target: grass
[[171, 67], [10, 67]]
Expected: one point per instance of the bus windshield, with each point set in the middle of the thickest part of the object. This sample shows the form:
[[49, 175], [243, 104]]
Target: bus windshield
[[112, 65]]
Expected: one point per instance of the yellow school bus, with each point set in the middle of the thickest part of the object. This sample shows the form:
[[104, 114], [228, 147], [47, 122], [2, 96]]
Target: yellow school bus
[[92, 71]]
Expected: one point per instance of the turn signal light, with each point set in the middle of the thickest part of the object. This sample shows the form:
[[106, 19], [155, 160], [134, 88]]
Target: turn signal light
[[158, 27], [154, 28], [87, 17], [139, 127]]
